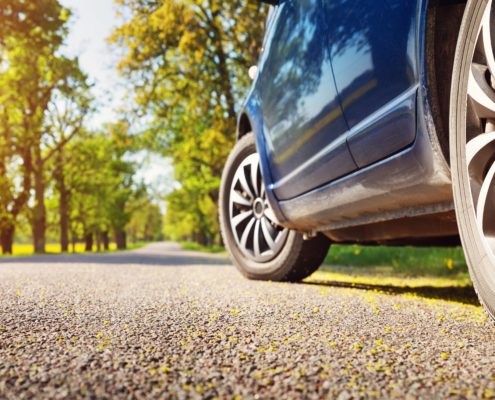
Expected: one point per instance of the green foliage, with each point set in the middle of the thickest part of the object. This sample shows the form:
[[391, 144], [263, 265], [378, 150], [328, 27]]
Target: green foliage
[[34, 23], [30, 33], [187, 64], [99, 183], [197, 247], [146, 222], [44, 98], [189, 210]]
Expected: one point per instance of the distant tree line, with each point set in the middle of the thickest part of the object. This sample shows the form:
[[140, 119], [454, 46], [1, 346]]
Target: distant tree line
[[55, 173]]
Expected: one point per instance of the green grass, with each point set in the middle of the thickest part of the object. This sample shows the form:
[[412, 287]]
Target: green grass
[[386, 276], [437, 273], [410, 261], [403, 261], [197, 247], [380, 265]]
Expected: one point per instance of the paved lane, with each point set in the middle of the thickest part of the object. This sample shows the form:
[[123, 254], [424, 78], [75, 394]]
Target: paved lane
[[162, 253], [103, 327]]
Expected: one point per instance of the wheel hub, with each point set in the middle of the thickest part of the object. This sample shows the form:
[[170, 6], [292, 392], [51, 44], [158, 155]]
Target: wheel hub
[[258, 208]]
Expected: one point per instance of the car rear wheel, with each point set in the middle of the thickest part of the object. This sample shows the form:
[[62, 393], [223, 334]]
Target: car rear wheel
[[257, 245], [472, 144]]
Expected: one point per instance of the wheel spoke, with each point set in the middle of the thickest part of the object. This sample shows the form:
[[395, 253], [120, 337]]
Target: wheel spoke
[[481, 92], [262, 192], [486, 38], [269, 214], [244, 184], [486, 208], [266, 232], [240, 217], [479, 152], [256, 239], [254, 174], [279, 240], [238, 199], [245, 234]]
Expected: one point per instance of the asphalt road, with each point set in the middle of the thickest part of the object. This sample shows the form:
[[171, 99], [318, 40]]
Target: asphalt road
[[161, 322]]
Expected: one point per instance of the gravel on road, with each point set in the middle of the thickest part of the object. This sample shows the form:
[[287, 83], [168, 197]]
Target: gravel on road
[[115, 330]]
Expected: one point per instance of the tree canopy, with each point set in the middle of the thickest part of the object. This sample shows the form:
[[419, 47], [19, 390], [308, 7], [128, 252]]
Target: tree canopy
[[188, 63]]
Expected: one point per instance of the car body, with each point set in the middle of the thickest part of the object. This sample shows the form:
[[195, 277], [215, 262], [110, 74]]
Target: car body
[[350, 112]]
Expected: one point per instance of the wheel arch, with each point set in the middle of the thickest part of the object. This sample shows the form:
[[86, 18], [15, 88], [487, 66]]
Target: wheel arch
[[250, 120], [243, 125]]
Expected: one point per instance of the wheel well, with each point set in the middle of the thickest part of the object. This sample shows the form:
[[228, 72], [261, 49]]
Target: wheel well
[[244, 126], [443, 21]]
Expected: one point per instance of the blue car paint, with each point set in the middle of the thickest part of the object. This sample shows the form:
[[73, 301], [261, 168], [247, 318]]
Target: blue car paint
[[304, 127], [386, 131], [373, 46], [414, 181]]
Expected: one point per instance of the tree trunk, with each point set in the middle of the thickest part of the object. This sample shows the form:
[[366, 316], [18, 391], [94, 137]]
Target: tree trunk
[[202, 240], [98, 240], [39, 214], [120, 238], [88, 239], [9, 224], [7, 239], [74, 241], [104, 237], [64, 219]]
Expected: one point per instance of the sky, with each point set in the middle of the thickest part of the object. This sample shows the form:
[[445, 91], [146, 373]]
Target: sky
[[92, 22]]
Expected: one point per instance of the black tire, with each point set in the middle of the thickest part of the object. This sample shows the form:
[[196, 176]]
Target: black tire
[[463, 129], [296, 260]]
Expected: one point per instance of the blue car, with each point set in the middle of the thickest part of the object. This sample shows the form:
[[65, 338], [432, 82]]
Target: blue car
[[368, 122]]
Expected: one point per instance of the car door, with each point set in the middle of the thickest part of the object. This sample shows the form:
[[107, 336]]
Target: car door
[[372, 46], [304, 128]]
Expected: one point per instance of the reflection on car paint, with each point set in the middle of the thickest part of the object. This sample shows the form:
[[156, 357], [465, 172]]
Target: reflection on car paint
[[301, 110]]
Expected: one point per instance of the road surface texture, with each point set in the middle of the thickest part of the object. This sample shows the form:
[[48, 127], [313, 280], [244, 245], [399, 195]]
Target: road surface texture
[[159, 322]]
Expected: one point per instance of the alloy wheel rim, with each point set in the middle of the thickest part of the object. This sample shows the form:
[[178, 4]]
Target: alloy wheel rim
[[252, 221], [480, 131]]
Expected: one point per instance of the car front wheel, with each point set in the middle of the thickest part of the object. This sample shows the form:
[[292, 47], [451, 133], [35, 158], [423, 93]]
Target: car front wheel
[[257, 245]]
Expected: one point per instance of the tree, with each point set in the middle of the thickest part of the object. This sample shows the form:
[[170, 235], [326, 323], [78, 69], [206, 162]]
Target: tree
[[146, 222], [187, 63], [81, 180], [34, 78], [126, 190], [13, 195], [99, 188], [66, 113], [26, 29], [191, 214], [69, 104]]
